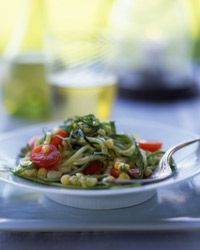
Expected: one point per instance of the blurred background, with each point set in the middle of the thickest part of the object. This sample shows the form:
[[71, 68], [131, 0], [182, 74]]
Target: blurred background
[[72, 57]]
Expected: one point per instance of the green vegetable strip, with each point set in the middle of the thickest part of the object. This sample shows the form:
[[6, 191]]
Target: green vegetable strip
[[65, 165]]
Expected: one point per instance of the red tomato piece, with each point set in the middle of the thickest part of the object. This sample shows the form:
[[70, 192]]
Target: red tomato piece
[[56, 140], [45, 156], [94, 167], [151, 146], [115, 172]]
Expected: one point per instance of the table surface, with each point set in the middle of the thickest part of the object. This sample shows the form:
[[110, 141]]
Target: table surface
[[184, 114]]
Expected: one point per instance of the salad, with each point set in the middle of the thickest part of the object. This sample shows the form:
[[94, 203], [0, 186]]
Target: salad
[[86, 153]]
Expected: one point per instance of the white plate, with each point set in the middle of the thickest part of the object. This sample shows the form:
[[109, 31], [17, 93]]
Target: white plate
[[11, 143]]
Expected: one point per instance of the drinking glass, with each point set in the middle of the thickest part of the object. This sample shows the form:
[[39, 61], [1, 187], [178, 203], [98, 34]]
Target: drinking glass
[[154, 53], [78, 49], [80, 80]]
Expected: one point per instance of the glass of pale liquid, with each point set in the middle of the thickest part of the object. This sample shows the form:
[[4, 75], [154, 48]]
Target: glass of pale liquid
[[80, 77]]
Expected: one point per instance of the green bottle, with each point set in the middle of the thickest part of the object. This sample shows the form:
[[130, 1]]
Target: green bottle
[[26, 93], [193, 7]]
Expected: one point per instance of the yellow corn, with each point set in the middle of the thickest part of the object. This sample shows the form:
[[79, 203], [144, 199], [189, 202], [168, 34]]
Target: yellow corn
[[78, 180], [82, 181], [79, 175], [30, 172], [74, 125], [121, 166], [65, 179], [91, 181], [117, 165], [87, 181], [42, 173], [54, 175], [108, 178], [109, 143], [74, 180], [124, 176]]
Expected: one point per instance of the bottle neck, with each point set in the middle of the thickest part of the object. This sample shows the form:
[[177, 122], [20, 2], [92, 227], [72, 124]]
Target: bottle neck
[[28, 33]]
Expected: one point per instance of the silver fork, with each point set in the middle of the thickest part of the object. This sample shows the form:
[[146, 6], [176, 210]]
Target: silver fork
[[166, 163]]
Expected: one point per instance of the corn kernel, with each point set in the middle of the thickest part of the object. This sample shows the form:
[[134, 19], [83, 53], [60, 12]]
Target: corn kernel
[[121, 166], [124, 176], [42, 173], [74, 125], [54, 175], [30, 172], [65, 179], [91, 181], [109, 143], [108, 178], [82, 181], [117, 165], [74, 180], [79, 175], [125, 167]]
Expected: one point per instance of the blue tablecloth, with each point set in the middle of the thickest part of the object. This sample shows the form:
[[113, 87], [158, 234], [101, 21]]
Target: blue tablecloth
[[185, 114]]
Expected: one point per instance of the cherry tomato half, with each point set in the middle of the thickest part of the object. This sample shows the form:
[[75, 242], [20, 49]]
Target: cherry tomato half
[[93, 167], [115, 172], [45, 156], [56, 140], [151, 146]]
